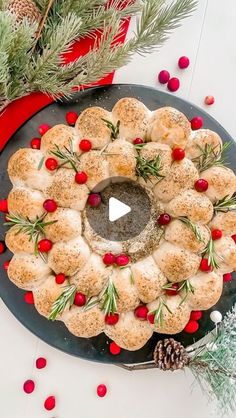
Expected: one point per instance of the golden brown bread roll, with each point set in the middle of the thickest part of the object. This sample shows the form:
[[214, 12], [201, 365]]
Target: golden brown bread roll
[[46, 294], [83, 323], [90, 126], [26, 203], [121, 160], [94, 164], [27, 271], [133, 116], [66, 226], [207, 290], [221, 182], [199, 140], [179, 233], [60, 135]]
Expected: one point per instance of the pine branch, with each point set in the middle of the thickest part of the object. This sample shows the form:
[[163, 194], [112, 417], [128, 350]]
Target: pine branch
[[225, 205], [146, 168], [194, 228], [211, 156], [67, 297]]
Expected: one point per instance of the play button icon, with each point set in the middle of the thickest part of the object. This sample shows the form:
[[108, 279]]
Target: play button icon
[[117, 209]]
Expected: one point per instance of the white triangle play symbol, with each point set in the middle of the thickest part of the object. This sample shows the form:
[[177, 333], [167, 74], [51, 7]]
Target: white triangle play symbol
[[117, 209]]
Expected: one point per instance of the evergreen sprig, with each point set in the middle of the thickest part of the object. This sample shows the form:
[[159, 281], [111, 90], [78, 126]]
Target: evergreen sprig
[[194, 228], [67, 297], [225, 205], [211, 156]]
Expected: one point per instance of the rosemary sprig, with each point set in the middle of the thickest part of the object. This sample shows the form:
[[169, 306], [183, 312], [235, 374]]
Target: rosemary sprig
[[146, 168], [158, 313], [211, 156], [67, 296], [225, 205], [115, 129], [109, 298], [41, 163], [33, 228], [209, 251], [188, 288], [91, 302], [194, 228], [68, 156]]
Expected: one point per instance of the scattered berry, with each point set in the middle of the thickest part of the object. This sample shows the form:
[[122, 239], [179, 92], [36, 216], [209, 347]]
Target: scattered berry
[[141, 312], [71, 118], [50, 403], [209, 100], [44, 245], [151, 318], [94, 200], [122, 260], [196, 315], [114, 348], [60, 278], [28, 386], [216, 234], [51, 164], [173, 290], [234, 237], [201, 185], [164, 219], [41, 362], [29, 298], [6, 264], [35, 143], [109, 259], [137, 141], [80, 299], [101, 390], [163, 76], [204, 266], [227, 277], [112, 318], [2, 247], [43, 128], [81, 177], [191, 327], [178, 154], [196, 123], [183, 62], [85, 145], [50, 205], [173, 84], [3, 206]]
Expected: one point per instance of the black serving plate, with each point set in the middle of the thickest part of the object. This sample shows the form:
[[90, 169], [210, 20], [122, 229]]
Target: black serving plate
[[55, 333]]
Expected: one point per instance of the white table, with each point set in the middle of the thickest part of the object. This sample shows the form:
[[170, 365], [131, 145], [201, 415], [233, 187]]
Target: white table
[[208, 38]]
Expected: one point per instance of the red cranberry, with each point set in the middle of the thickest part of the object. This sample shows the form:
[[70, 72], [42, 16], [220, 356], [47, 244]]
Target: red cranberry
[[6, 264], [44, 245], [151, 318], [101, 390], [196, 123], [122, 260], [94, 200], [50, 403], [216, 234], [80, 299], [2, 247], [209, 100], [109, 259], [85, 145], [141, 312], [29, 298], [3, 206], [114, 348], [35, 143], [81, 177], [60, 278], [204, 266], [227, 277], [201, 185], [163, 76], [29, 386], [173, 84], [234, 237], [71, 118], [137, 141], [191, 327], [164, 219], [112, 318], [50, 205], [178, 154], [183, 62], [51, 164], [41, 362], [43, 128], [196, 315], [173, 290]]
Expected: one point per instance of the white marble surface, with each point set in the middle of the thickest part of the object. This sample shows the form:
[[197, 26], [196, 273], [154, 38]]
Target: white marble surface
[[208, 38]]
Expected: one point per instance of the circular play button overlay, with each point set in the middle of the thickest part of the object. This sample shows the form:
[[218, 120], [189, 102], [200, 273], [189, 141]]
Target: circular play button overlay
[[123, 213]]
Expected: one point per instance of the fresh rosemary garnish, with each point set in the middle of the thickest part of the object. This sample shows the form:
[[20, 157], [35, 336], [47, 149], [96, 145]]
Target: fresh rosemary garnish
[[115, 129], [109, 298], [33, 228], [158, 313], [188, 288], [225, 205], [67, 296], [91, 302], [193, 227], [146, 168], [68, 156], [41, 163], [209, 252], [211, 156]]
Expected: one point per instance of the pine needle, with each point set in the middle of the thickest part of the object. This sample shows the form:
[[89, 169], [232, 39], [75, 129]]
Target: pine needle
[[225, 205], [67, 297]]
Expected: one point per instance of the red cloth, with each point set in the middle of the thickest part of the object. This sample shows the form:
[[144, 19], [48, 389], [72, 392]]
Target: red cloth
[[20, 110]]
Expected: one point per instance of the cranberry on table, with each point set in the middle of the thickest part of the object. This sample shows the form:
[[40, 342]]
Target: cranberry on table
[[50, 403], [114, 348], [163, 76], [80, 299], [101, 390], [196, 315], [112, 318], [183, 62], [191, 327], [201, 185], [227, 277], [173, 290], [196, 123], [6, 264], [41, 363], [85, 145], [50, 205], [234, 237], [45, 245], [178, 154], [109, 259], [51, 164], [141, 312], [122, 260], [43, 128], [81, 177], [35, 143], [209, 100], [164, 219], [216, 234], [3, 206], [151, 318], [204, 266], [94, 200], [29, 386], [71, 118], [138, 141], [173, 84], [60, 278], [29, 298], [2, 247]]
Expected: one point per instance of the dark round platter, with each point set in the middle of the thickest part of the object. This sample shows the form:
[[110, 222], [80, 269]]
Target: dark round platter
[[55, 333]]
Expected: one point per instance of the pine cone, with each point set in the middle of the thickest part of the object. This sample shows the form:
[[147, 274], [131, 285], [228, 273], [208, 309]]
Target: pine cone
[[170, 355], [24, 9]]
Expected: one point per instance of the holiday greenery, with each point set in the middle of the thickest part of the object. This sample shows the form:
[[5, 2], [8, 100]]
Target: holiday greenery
[[33, 54]]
